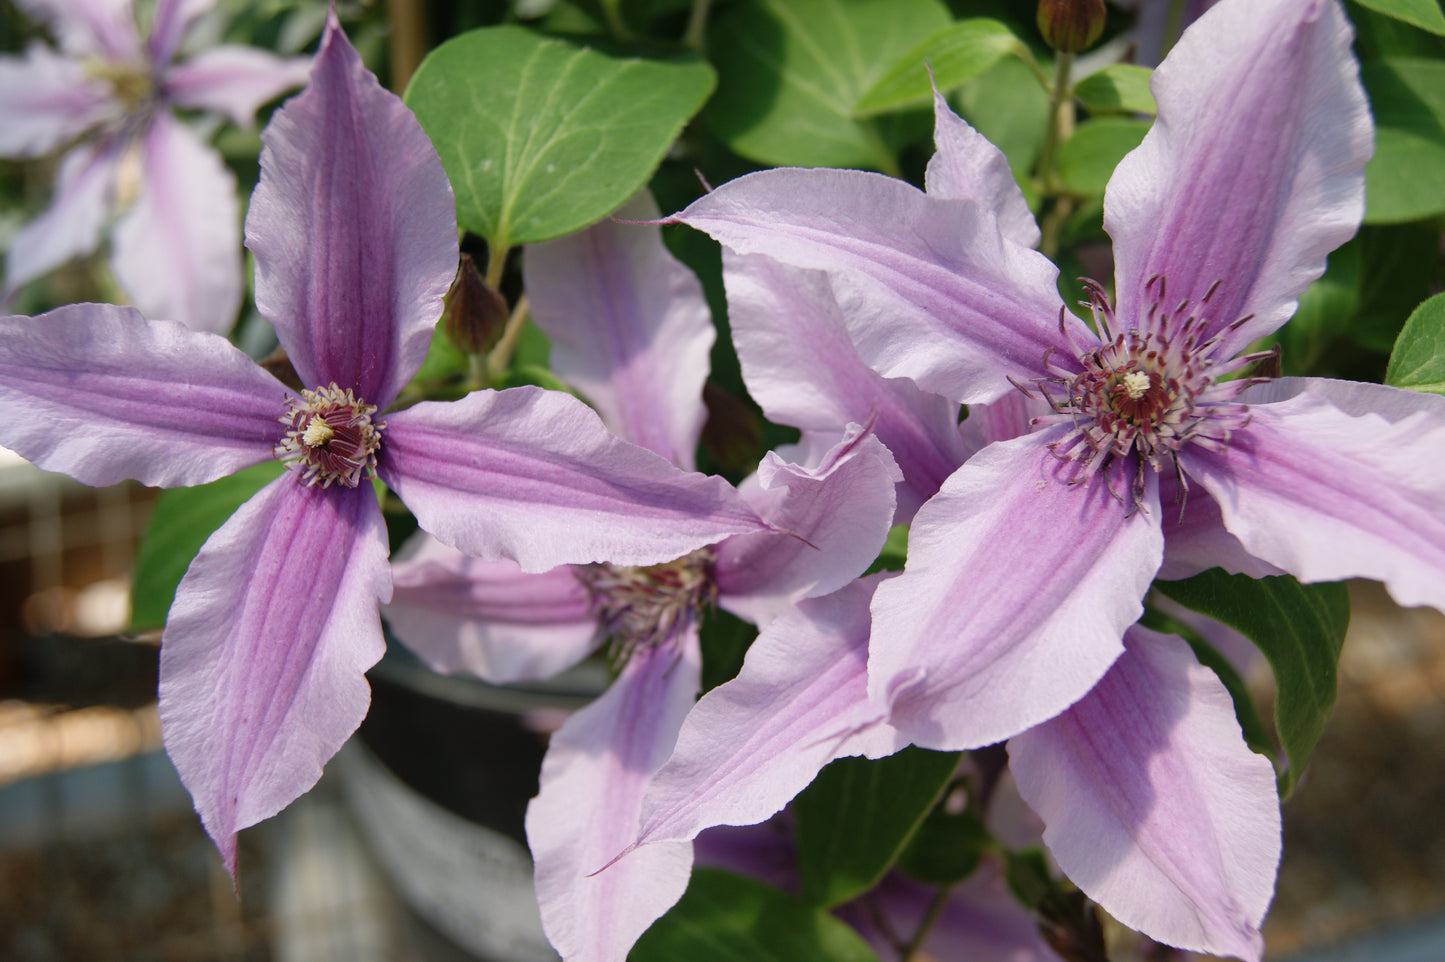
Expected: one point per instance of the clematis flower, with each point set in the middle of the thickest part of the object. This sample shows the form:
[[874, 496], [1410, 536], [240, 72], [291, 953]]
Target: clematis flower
[[1147, 462], [354, 236], [628, 323], [175, 250]]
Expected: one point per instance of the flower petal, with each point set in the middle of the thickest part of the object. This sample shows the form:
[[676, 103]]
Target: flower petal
[[831, 518], [930, 288], [532, 475], [965, 166], [629, 327], [487, 617], [234, 81], [1253, 171], [751, 744], [801, 367], [70, 226], [169, 23], [94, 28], [973, 644], [1195, 538], [101, 394], [45, 100], [178, 253], [264, 653], [586, 811], [1325, 496], [353, 228], [1153, 804]]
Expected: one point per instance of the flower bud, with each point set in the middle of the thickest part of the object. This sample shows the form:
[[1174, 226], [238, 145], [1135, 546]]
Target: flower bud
[[476, 314], [1071, 25]]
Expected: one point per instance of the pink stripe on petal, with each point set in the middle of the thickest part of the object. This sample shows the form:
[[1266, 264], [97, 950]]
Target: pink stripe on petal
[[586, 811], [1325, 496], [234, 81], [170, 21], [532, 475], [629, 328], [930, 288], [753, 743], [488, 618], [1253, 172], [264, 655], [1015, 597], [177, 252], [353, 228], [1153, 804], [101, 394]]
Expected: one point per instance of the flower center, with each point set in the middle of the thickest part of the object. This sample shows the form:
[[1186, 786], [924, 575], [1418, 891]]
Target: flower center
[[329, 432], [1145, 392], [642, 607], [130, 83]]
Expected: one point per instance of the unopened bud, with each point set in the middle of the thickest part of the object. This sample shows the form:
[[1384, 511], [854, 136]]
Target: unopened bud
[[1071, 25], [476, 314]]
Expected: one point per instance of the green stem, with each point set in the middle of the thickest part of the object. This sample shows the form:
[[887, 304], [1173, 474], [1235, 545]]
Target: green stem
[[912, 952], [612, 10], [1023, 53], [496, 264], [696, 24], [1060, 126], [1061, 116], [501, 355]]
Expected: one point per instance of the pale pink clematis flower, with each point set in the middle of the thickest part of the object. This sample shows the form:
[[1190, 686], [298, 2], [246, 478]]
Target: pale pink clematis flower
[[175, 250], [354, 233], [1015, 616]]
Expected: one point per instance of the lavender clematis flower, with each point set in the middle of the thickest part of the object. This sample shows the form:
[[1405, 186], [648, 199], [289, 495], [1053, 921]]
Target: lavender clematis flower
[[175, 251], [354, 235], [1220, 218], [1145, 463], [629, 324]]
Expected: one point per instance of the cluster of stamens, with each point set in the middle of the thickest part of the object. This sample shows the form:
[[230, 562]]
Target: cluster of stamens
[[330, 434], [1144, 392], [644, 607]]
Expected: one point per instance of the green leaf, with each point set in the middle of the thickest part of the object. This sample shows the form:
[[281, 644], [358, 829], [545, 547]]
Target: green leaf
[[1088, 158], [1424, 14], [1300, 629], [1418, 362], [1405, 180], [1008, 106], [852, 823], [792, 72], [946, 848], [958, 53], [541, 138], [1324, 313], [180, 522], [724, 917], [1399, 268], [1120, 87]]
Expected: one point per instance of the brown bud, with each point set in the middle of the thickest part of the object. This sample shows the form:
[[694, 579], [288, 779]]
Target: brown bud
[[475, 315], [1071, 25]]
